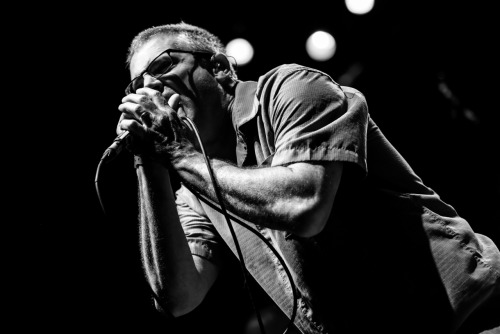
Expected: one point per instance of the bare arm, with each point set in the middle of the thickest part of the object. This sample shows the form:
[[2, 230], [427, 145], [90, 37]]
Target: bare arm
[[178, 278], [297, 198]]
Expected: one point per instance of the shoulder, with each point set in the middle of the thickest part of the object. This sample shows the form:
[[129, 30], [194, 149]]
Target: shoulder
[[295, 71], [297, 78], [353, 93], [287, 69]]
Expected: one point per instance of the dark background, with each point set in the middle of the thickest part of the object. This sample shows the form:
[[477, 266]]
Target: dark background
[[82, 267]]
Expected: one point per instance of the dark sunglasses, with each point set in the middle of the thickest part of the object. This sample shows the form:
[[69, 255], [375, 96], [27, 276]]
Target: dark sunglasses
[[158, 67]]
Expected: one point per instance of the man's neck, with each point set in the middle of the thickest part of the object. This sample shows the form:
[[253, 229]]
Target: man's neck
[[224, 147]]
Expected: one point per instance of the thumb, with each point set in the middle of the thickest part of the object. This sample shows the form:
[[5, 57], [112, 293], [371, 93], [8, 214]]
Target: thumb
[[173, 101]]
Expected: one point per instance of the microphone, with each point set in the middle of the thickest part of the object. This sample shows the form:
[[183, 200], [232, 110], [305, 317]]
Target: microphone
[[114, 149]]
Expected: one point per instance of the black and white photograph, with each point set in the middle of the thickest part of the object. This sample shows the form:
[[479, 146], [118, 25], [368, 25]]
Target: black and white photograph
[[255, 167]]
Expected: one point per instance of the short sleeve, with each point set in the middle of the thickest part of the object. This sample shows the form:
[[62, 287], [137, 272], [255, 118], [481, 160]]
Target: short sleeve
[[307, 116], [202, 237]]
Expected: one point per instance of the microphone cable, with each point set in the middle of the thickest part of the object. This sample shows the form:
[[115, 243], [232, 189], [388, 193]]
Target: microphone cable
[[233, 234], [111, 154]]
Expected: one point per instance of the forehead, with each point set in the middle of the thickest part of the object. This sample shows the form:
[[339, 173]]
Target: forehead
[[152, 48]]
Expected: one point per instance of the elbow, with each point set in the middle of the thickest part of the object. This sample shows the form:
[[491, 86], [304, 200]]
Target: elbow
[[310, 218], [311, 210], [177, 302], [308, 227], [176, 307], [186, 306], [183, 293], [172, 310]]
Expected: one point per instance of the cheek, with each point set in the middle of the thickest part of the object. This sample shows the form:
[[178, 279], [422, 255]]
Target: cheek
[[206, 107], [207, 93], [206, 85]]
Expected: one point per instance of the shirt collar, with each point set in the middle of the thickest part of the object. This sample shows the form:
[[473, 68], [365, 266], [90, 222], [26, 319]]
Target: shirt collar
[[242, 108]]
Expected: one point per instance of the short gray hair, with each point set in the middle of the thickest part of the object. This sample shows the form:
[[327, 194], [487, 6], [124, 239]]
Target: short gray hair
[[199, 38]]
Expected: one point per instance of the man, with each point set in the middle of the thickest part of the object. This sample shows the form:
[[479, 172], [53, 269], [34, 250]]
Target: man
[[326, 215]]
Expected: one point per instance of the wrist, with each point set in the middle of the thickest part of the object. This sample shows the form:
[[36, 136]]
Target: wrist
[[185, 158]]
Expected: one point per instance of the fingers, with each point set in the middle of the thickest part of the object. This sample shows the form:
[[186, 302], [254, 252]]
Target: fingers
[[118, 126], [147, 112], [151, 97], [131, 110], [148, 101], [134, 98], [146, 119], [133, 127]]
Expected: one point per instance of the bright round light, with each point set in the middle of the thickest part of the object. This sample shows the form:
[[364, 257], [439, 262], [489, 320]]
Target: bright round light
[[241, 50], [321, 46], [359, 6]]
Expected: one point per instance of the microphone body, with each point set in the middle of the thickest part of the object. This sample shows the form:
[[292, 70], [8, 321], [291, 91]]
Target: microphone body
[[116, 147]]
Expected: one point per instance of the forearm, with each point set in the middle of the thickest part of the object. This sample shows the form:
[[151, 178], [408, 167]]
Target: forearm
[[281, 197], [166, 257]]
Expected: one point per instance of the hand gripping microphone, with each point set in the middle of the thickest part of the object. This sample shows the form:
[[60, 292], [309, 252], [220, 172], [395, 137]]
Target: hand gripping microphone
[[114, 149]]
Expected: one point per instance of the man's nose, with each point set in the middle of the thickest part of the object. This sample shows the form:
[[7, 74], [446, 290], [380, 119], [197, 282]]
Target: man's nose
[[152, 82]]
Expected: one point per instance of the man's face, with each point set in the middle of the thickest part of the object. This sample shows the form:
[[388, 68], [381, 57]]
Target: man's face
[[196, 85]]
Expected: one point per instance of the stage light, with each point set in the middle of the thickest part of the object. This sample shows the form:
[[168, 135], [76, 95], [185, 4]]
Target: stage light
[[241, 50], [359, 7], [321, 46]]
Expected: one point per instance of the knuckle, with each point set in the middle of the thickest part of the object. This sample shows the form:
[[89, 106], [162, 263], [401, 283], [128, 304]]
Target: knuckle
[[143, 99], [137, 109]]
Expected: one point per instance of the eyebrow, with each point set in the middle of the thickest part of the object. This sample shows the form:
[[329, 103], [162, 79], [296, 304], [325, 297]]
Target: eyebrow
[[168, 51], [149, 64]]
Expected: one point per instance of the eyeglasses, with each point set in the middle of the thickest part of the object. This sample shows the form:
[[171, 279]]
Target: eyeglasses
[[158, 67]]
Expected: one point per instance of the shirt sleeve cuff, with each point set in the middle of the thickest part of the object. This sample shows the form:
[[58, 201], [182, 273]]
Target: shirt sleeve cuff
[[202, 249]]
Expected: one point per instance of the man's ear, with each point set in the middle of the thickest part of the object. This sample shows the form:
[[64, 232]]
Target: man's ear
[[222, 69]]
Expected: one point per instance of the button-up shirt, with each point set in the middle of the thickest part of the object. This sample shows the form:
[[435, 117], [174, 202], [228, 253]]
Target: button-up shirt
[[392, 251]]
